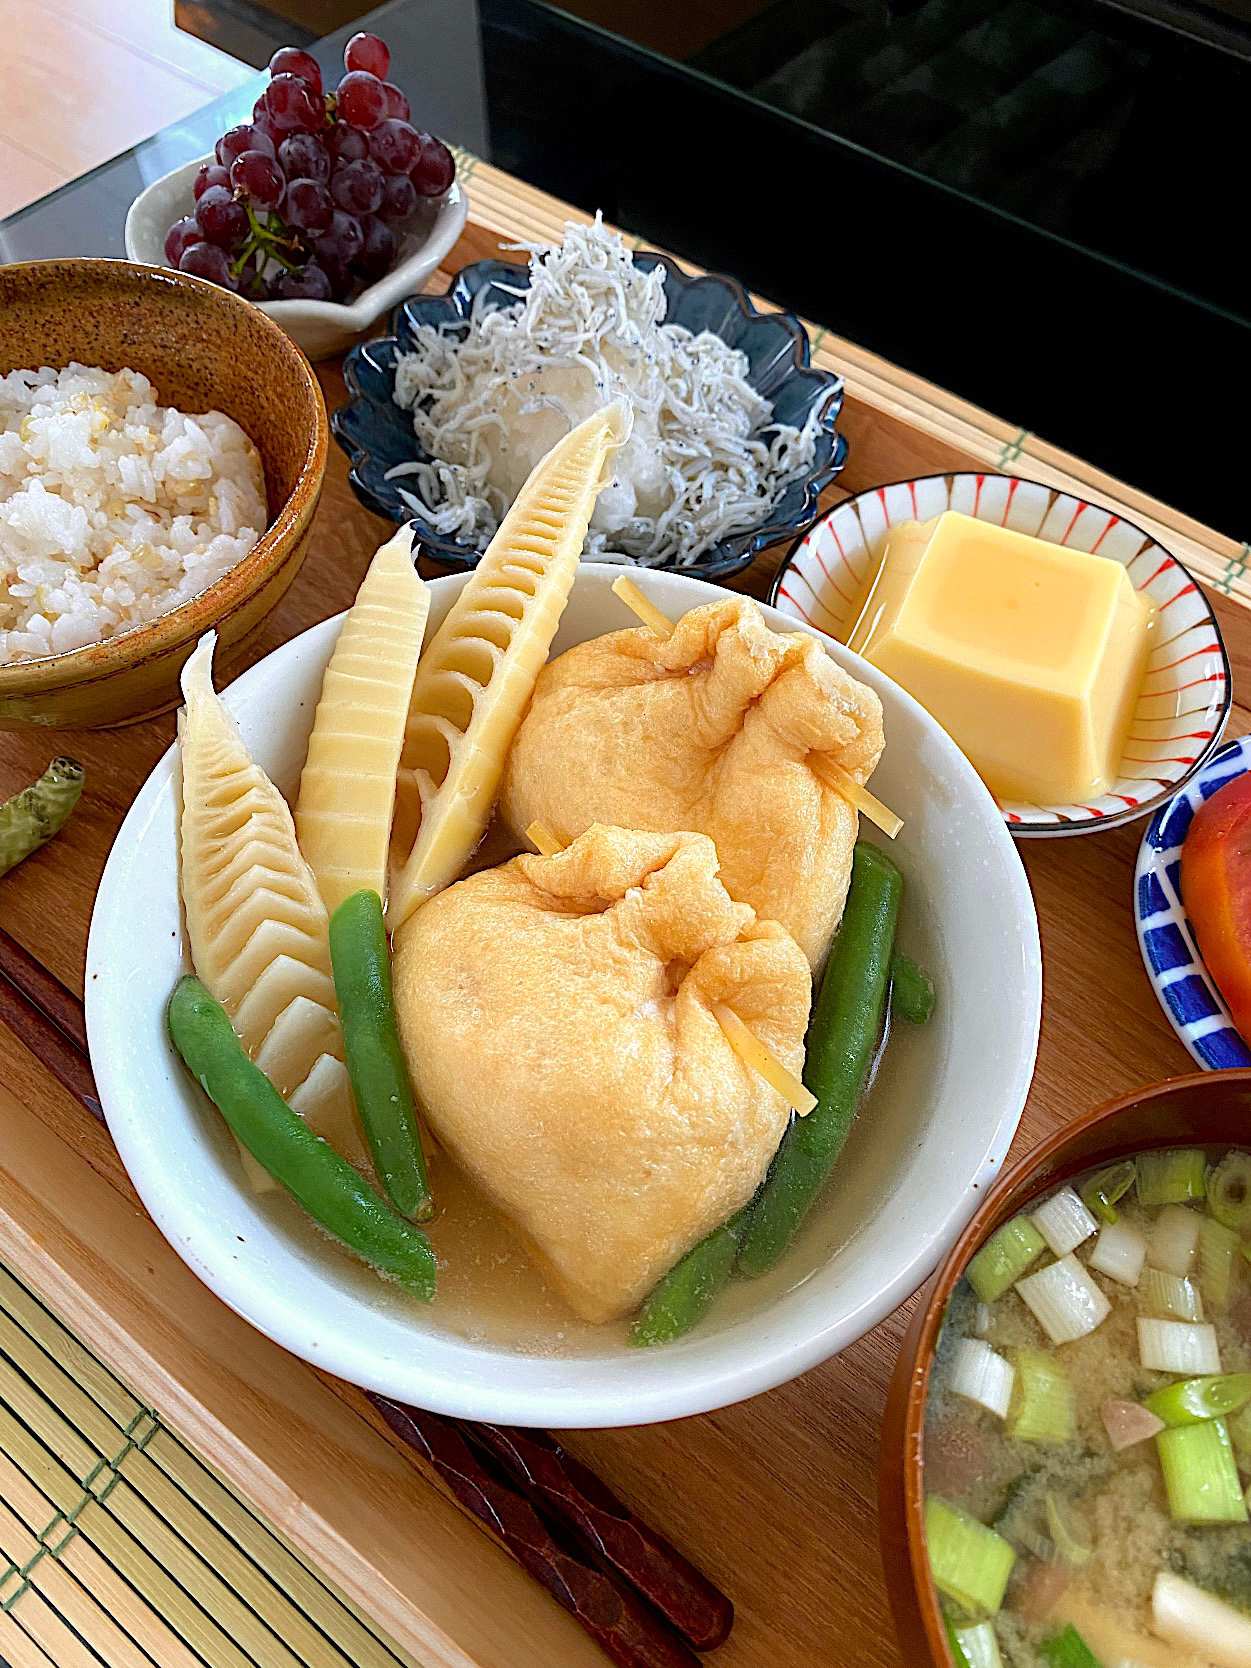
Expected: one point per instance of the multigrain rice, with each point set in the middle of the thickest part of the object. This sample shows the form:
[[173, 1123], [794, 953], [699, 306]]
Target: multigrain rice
[[113, 509]]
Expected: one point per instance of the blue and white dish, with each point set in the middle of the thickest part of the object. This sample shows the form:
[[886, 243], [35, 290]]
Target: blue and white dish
[[377, 434], [1174, 966]]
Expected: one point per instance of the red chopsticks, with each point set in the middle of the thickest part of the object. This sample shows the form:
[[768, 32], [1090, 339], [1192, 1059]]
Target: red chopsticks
[[644, 1603]]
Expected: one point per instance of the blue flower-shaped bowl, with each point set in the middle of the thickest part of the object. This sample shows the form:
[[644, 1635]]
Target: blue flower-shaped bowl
[[377, 434], [1186, 990]]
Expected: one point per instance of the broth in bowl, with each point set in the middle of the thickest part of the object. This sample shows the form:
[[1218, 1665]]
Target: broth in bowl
[[1087, 1436]]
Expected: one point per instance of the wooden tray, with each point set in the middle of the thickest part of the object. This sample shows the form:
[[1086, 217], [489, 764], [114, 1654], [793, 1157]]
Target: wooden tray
[[775, 1498]]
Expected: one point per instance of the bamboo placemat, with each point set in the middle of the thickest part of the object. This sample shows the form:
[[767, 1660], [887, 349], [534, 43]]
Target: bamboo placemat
[[119, 1548]]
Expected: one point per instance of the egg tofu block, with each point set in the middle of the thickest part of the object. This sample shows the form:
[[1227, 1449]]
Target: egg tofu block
[[711, 729], [556, 1016]]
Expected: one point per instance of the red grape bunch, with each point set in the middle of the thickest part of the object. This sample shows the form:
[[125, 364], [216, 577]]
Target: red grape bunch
[[307, 200]]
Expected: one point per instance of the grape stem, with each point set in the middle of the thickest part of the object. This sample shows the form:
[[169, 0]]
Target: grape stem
[[271, 238]]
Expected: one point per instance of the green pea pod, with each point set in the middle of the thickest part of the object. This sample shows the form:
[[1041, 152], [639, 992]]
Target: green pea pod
[[682, 1298], [911, 990], [38, 812], [375, 1060], [331, 1191], [842, 1040]]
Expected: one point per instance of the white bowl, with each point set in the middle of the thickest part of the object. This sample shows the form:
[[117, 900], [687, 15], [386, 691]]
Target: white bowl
[[1187, 689], [321, 328], [936, 1127]]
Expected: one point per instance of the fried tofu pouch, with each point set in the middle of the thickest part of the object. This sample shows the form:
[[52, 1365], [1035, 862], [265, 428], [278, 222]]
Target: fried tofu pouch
[[555, 1013], [711, 729]]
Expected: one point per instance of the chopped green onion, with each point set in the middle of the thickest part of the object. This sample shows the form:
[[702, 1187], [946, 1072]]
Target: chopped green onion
[[1240, 1431], [1211, 1397], [1229, 1192], [1200, 1473], [1063, 1221], [1217, 1245], [1166, 1346], [1174, 1240], [969, 1562], [1043, 1407], [1073, 1547], [1100, 1192], [1170, 1178], [1004, 1258], [959, 1656], [1168, 1297], [978, 1645], [1119, 1252], [1068, 1650], [1194, 1621], [981, 1376], [1064, 1300]]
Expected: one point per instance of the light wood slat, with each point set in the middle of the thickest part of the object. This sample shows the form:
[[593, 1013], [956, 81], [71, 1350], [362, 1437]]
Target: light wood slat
[[17, 1648], [521, 213], [96, 1575]]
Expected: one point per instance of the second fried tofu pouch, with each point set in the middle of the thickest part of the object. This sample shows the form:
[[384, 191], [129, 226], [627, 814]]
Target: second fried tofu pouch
[[556, 1014]]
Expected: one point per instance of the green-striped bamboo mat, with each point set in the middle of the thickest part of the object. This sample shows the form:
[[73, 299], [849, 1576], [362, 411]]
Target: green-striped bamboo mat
[[119, 1547]]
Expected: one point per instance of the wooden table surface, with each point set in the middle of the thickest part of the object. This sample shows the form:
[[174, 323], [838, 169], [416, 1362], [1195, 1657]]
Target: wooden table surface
[[776, 1497]]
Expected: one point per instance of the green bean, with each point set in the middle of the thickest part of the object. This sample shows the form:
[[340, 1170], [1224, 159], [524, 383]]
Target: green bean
[[38, 812], [375, 1060], [683, 1296], [842, 1039], [911, 990], [330, 1190]]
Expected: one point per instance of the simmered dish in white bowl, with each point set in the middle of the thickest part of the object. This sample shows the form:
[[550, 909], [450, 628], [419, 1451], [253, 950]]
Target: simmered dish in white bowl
[[604, 1036]]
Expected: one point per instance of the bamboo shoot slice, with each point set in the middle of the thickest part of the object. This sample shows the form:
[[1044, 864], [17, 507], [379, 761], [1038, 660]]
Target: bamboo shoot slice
[[255, 919], [475, 680], [347, 789]]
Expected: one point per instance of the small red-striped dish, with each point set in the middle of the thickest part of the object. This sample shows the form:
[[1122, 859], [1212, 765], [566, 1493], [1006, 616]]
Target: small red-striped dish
[[1186, 693]]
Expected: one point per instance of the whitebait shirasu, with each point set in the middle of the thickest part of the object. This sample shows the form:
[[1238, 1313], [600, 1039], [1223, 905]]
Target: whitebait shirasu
[[706, 459]]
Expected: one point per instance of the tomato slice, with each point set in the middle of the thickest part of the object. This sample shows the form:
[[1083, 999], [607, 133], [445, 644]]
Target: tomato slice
[[1216, 890]]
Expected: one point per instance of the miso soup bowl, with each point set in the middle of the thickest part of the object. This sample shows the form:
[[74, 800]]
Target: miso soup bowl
[[1202, 1110], [943, 1110]]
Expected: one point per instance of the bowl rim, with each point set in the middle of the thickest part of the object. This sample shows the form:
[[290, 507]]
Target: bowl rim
[[901, 1511], [225, 596], [741, 548], [1148, 866], [451, 213], [1025, 829], [732, 1375]]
